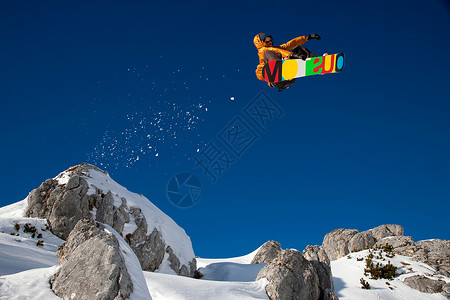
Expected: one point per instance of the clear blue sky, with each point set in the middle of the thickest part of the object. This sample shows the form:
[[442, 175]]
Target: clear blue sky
[[88, 81]]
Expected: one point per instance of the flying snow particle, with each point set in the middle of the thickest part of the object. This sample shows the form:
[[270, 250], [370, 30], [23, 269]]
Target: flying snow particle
[[232, 98]]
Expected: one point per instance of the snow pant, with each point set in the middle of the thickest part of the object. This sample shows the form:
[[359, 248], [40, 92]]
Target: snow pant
[[299, 53]]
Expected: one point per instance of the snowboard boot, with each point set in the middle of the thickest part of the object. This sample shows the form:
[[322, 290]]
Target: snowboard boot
[[300, 52]]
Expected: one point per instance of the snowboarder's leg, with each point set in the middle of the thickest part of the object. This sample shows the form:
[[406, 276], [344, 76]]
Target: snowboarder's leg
[[270, 55], [282, 85]]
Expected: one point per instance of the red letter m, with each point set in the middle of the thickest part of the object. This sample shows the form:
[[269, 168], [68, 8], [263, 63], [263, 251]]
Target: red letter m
[[272, 71]]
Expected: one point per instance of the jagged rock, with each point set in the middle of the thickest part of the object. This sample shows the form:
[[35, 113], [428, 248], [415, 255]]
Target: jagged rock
[[105, 210], [319, 260], [446, 290], [341, 242], [396, 241], [61, 206], [68, 198], [435, 253], [361, 240], [336, 242], [424, 284], [92, 266], [329, 295], [291, 276], [140, 234], [386, 230], [121, 216], [84, 230], [151, 252], [268, 251]]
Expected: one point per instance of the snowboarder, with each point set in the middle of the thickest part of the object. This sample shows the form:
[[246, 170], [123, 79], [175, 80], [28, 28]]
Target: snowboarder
[[268, 52]]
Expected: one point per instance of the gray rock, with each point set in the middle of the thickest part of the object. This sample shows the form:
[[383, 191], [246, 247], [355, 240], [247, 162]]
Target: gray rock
[[329, 295], [84, 230], [361, 240], [92, 266], [336, 242], [105, 210], [121, 216], [341, 242], [151, 252], [62, 205], [386, 230], [396, 241], [192, 267], [291, 276], [446, 290], [424, 284], [39, 204], [140, 234], [436, 253], [176, 266], [319, 260], [268, 251]]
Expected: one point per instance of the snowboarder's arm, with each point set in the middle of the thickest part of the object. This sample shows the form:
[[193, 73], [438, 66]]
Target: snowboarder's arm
[[284, 53], [294, 43]]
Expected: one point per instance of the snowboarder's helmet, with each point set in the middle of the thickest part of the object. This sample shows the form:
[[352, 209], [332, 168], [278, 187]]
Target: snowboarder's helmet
[[263, 36]]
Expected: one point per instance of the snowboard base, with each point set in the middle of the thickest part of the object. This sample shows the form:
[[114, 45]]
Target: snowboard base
[[282, 70]]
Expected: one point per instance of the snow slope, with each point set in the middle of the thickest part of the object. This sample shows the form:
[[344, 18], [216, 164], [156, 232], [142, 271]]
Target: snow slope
[[347, 272], [21, 248], [224, 279], [25, 268]]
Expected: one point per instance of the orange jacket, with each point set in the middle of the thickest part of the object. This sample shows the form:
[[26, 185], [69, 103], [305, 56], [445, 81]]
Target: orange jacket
[[282, 49]]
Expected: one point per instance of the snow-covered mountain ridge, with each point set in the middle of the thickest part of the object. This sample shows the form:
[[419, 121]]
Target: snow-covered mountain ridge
[[85, 191], [30, 259]]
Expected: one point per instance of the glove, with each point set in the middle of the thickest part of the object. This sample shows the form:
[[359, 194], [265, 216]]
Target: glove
[[313, 36]]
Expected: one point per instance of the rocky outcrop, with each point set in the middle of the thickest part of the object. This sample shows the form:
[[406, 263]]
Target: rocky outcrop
[[361, 240], [268, 251], [336, 242], [341, 242], [69, 198], [62, 205], [91, 265], [395, 241], [435, 253], [424, 284], [386, 230], [291, 276], [446, 290], [329, 295], [319, 260]]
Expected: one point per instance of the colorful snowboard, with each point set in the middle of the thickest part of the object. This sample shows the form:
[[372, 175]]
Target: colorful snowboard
[[280, 70]]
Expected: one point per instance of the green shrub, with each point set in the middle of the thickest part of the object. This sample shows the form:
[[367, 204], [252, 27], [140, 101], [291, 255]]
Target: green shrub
[[379, 271], [364, 284], [28, 228]]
